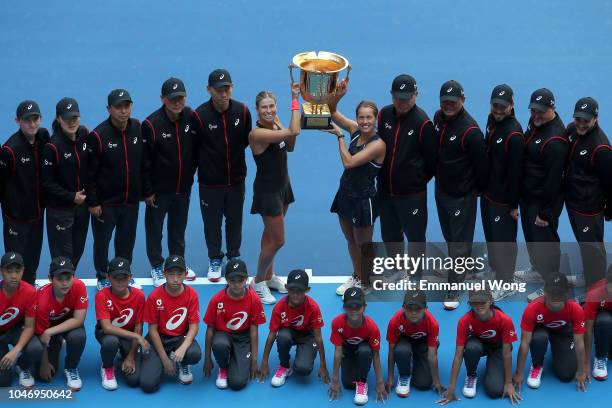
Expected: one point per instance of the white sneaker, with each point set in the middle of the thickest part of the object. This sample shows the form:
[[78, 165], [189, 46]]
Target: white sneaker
[[529, 275], [280, 376], [535, 377], [451, 300], [73, 379], [276, 284], [263, 291], [502, 294], [157, 274], [221, 381], [402, 389], [600, 369], [350, 282], [576, 281], [361, 393], [26, 380], [469, 387], [214, 270], [109, 382], [535, 294], [184, 374], [134, 284], [191, 275]]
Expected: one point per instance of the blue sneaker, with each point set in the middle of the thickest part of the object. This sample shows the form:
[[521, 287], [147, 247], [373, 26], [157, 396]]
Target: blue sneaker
[[103, 283], [157, 274], [214, 269]]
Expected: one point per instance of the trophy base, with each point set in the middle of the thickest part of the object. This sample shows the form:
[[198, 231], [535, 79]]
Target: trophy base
[[316, 116]]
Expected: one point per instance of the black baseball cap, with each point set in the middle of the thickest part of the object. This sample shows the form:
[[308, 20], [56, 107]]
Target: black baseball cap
[[175, 261], [11, 258], [451, 91], [502, 95], [298, 279], [173, 87], [236, 267], [354, 297], [586, 108], [67, 108], [219, 77], [119, 266], [116, 96], [415, 298], [541, 100], [26, 109], [403, 87], [556, 285], [60, 265], [481, 295]]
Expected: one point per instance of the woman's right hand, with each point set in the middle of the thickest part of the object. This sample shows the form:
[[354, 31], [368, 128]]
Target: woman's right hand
[[336, 131], [295, 90]]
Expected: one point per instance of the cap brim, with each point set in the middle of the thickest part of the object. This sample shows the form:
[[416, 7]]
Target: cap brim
[[538, 106], [120, 100], [353, 303], [175, 266], [29, 114], [12, 263], [451, 98], [404, 96], [61, 271], [417, 304], [502, 102], [120, 272], [175, 95], [70, 115], [218, 85], [294, 285], [584, 115]]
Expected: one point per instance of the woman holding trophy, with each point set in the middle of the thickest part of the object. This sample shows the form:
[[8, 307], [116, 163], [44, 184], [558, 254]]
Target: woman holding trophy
[[355, 201], [270, 141]]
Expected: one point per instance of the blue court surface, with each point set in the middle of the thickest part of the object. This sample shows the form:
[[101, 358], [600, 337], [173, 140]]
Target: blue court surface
[[54, 49]]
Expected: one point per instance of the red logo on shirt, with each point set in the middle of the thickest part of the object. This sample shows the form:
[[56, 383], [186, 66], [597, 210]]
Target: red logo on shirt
[[488, 334], [176, 319], [126, 316], [237, 321], [354, 340], [298, 321]]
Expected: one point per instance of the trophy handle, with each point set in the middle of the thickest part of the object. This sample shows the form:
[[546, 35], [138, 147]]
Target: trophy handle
[[348, 71], [291, 72]]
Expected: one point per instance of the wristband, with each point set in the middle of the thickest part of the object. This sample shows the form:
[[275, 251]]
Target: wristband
[[295, 105], [340, 137]]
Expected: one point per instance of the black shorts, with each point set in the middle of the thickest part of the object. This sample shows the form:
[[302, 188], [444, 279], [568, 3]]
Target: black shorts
[[272, 204], [361, 212]]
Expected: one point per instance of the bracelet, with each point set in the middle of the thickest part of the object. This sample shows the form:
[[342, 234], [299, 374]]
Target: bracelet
[[340, 137], [295, 105]]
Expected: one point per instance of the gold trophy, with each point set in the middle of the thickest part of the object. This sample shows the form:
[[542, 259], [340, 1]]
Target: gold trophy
[[318, 81]]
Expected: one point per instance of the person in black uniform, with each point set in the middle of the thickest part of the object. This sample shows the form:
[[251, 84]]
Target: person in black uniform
[[115, 182], [270, 141], [541, 202], [462, 173], [23, 199], [167, 175], [356, 201], [410, 162], [588, 186], [221, 129], [499, 204], [64, 174]]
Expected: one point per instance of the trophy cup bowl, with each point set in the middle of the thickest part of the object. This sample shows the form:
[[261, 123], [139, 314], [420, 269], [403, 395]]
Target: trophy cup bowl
[[319, 77]]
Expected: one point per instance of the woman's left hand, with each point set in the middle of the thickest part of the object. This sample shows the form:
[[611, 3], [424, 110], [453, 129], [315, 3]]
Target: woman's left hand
[[295, 90], [336, 131]]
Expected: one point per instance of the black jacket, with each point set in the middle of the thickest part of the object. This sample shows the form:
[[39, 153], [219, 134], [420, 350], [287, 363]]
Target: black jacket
[[115, 164], [64, 168], [168, 166], [588, 177], [544, 159], [23, 197], [505, 143], [462, 157], [410, 159], [219, 143]]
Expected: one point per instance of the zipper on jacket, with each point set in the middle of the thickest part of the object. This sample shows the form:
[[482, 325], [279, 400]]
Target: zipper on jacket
[[227, 149], [399, 125], [180, 161], [127, 167]]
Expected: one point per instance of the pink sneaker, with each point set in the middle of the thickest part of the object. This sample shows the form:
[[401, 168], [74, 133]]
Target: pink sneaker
[[109, 382], [280, 376], [535, 376], [361, 393], [221, 382]]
